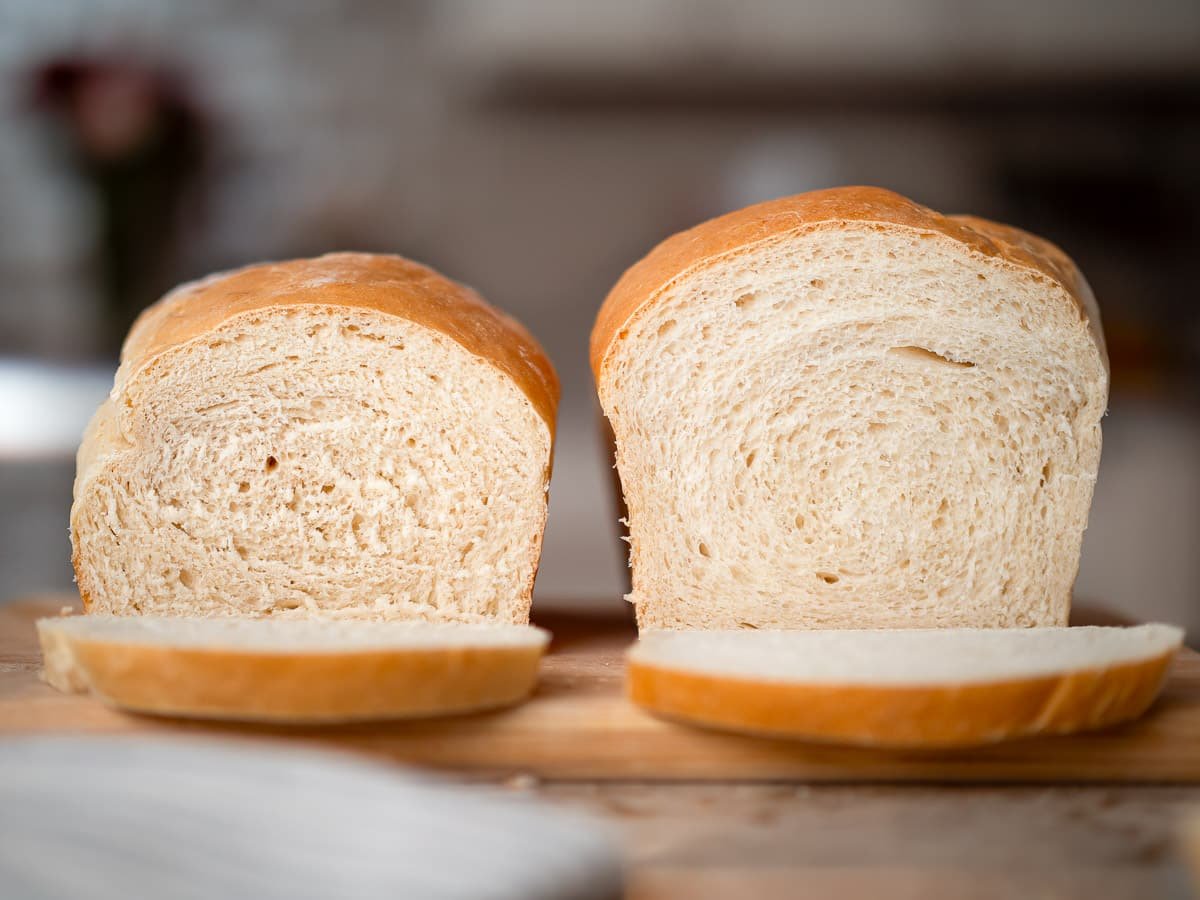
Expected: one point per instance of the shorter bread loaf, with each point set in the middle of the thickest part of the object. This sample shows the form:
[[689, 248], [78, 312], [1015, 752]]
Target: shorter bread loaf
[[353, 436], [903, 687], [291, 671]]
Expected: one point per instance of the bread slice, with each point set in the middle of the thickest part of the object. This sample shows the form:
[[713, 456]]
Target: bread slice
[[291, 671], [349, 436], [903, 687], [844, 410]]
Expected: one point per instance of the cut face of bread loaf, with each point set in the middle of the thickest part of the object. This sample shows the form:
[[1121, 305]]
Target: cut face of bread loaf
[[903, 687], [294, 671], [349, 436], [845, 410]]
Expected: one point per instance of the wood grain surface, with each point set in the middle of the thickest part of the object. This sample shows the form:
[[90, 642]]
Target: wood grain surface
[[579, 726], [897, 842]]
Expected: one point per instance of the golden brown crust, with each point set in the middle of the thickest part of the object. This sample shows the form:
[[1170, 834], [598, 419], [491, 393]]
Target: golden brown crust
[[101, 438], [777, 219], [296, 688], [387, 284], [903, 716]]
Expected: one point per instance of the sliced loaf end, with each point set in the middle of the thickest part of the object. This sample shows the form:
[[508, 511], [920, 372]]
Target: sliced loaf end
[[903, 688], [291, 671]]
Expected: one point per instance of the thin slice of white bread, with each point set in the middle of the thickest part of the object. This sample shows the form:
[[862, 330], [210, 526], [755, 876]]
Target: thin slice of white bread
[[844, 410], [349, 436], [950, 687], [291, 670]]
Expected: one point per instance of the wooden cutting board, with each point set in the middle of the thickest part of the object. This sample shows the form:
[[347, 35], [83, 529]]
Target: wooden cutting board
[[579, 726]]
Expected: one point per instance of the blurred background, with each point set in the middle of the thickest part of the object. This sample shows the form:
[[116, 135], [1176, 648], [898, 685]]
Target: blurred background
[[534, 149]]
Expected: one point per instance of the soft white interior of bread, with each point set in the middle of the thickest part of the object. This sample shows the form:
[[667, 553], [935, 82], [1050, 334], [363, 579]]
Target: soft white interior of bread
[[903, 656], [290, 635], [309, 461], [856, 426]]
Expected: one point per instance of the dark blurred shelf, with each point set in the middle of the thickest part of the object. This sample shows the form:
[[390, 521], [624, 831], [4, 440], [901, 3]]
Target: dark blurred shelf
[[700, 90]]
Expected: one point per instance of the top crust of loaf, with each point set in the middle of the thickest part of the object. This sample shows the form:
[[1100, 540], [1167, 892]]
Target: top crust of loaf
[[390, 285], [786, 217]]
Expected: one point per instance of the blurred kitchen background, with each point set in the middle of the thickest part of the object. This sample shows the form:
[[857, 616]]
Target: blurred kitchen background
[[534, 149]]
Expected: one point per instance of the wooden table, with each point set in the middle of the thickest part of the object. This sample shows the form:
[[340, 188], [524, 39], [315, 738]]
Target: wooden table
[[789, 835], [893, 842]]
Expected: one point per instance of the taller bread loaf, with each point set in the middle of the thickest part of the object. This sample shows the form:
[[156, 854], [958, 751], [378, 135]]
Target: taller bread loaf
[[352, 435], [843, 409]]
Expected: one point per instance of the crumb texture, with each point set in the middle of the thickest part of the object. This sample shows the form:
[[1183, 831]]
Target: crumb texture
[[856, 424], [305, 460], [284, 636], [914, 656]]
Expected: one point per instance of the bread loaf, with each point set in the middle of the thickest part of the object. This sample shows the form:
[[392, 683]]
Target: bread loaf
[[950, 687], [349, 436], [844, 410], [291, 671]]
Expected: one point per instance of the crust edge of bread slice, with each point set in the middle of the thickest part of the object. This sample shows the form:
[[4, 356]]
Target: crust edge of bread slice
[[342, 684], [903, 716]]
